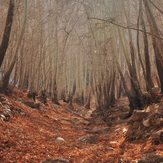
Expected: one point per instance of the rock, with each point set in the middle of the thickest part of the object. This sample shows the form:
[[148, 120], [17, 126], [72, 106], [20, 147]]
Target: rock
[[56, 106], [19, 111], [2, 117], [5, 118], [135, 131], [98, 130], [157, 137], [98, 120], [110, 149], [3, 99], [59, 160], [134, 161], [7, 103], [7, 111], [120, 160], [149, 109], [75, 120], [113, 142], [151, 158], [91, 139], [155, 119], [136, 125], [146, 123], [35, 105], [124, 130], [59, 140], [138, 115], [20, 100]]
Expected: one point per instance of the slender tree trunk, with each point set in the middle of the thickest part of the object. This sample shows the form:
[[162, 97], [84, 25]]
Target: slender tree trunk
[[112, 89], [149, 82], [138, 39]]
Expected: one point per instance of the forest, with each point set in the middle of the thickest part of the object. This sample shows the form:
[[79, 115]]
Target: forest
[[81, 81]]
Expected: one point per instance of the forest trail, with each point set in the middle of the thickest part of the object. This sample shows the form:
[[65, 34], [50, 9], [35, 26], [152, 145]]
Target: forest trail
[[34, 135], [90, 54]]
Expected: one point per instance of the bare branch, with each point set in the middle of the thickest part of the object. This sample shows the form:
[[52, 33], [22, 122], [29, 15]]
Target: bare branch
[[111, 21]]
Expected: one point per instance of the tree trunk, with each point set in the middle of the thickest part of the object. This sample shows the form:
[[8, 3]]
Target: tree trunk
[[11, 67], [6, 78], [138, 39], [7, 31], [157, 44], [149, 82]]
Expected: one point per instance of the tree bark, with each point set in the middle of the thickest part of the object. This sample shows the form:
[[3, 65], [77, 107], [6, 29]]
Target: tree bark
[[157, 43], [7, 31], [149, 82]]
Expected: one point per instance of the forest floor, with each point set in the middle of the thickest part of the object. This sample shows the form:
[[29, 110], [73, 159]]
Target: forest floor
[[77, 135]]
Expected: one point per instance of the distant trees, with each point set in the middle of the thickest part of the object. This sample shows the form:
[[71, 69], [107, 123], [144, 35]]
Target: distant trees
[[84, 50], [126, 46]]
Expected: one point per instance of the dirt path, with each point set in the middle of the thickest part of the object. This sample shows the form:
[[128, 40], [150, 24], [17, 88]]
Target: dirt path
[[60, 132]]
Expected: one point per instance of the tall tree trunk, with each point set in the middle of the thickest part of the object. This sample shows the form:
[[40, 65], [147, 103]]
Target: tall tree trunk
[[7, 31], [138, 39], [11, 67], [157, 43], [149, 82]]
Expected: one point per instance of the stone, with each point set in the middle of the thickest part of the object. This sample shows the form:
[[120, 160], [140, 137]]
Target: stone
[[139, 115], [19, 111], [151, 158], [3, 99], [146, 123], [100, 130], [20, 100], [113, 142], [7, 103], [56, 106], [99, 120], [157, 137], [110, 149], [155, 119], [5, 118], [35, 105], [75, 120], [124, 130], [7, 111], [2, 117], [91, 139], [59, 140]]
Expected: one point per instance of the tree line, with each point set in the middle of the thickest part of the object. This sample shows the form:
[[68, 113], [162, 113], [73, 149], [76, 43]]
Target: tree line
[[77, 50]]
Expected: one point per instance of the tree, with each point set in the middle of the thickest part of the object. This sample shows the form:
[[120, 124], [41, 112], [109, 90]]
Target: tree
[[7, 31], [157, 43], [6, 78]]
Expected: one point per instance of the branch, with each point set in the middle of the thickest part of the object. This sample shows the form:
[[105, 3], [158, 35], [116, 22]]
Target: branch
[[112, 21], [156, 6]]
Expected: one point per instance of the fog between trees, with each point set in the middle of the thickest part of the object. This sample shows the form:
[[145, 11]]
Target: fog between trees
[[78, 50]]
